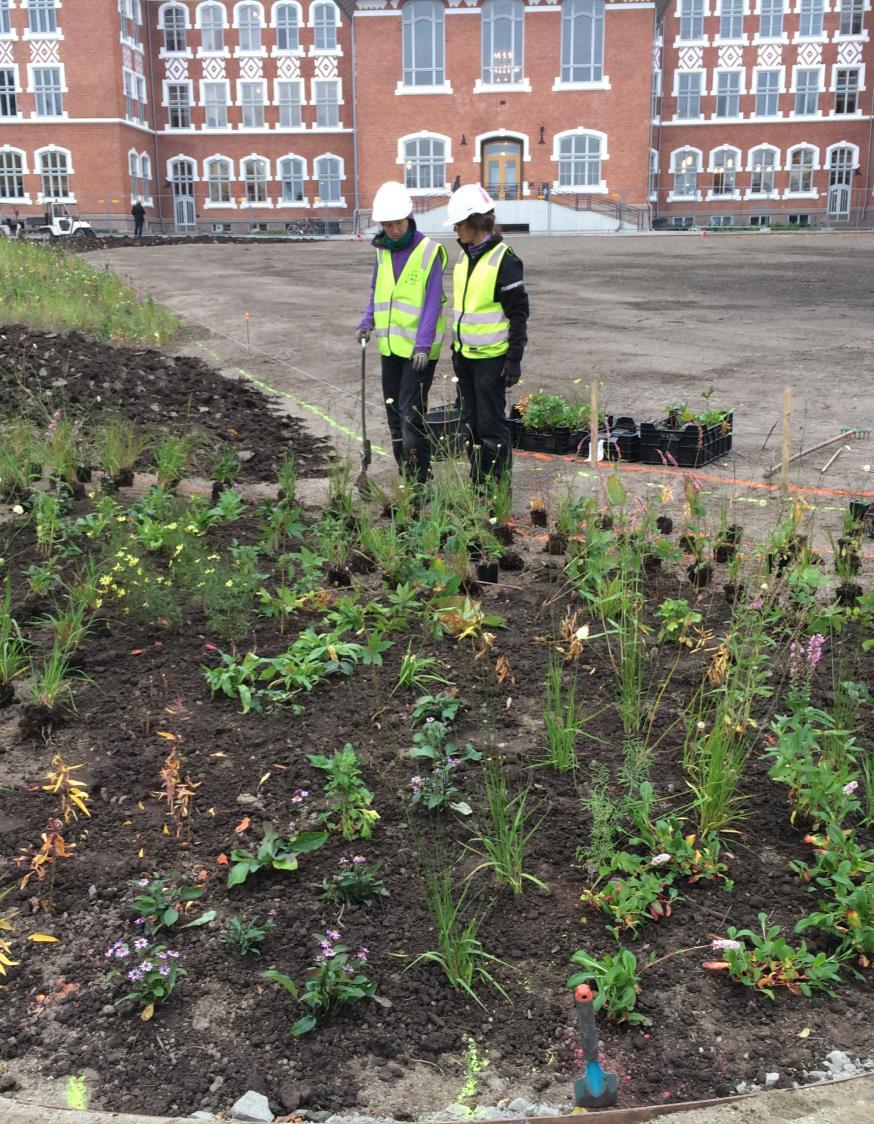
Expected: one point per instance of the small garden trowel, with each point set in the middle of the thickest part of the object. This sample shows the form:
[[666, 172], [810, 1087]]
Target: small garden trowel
[[595, 1089]]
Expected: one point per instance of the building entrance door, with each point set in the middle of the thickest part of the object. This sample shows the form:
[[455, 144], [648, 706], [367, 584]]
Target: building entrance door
[[502, 168]]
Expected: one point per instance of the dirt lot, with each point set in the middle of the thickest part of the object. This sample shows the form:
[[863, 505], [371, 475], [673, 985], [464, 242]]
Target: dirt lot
[[657, 319]]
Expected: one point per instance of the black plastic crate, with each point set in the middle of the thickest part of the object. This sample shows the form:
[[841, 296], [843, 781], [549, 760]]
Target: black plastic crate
[[689, 447]]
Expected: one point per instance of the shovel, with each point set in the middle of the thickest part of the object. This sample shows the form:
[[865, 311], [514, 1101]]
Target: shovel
[[595, 1089], [362, 483]]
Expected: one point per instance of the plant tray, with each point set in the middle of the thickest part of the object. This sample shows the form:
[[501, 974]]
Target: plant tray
[[689, 447]]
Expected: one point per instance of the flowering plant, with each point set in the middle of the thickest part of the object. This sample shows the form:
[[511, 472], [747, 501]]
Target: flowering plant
[[333, 983], [152, 970], [356, 882]]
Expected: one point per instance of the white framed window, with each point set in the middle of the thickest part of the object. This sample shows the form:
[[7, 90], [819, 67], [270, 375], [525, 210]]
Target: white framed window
[[292, 175], [810, 13], [5, 18], [728, 91], [249, 21], [214, 96], [218, 172], [178, 101], [8, 91], [763, 165], [852, 18], [688, 92], [13, 168], [502, 42], [42, 18], [847, 86], [685, 166], [326, 97], [731, 21], [289, 98], [580, 155], [724, 163], [807, 81], [286, 18], [48, 91], [582, 41], [802, 160], [212, 21], [325, 19], [424, 160], [767, 93], [691, 14], [255, 174], [423, 43], [771, 19], [175, 23], [54, 169], [329, 174], [251, 96]]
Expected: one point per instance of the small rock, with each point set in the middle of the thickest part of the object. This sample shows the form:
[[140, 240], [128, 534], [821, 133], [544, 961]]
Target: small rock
[[252, 1106], [771, 1080]]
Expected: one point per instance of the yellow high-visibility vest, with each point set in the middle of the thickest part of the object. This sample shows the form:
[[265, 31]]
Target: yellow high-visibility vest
[[397, 305], [480, 328]]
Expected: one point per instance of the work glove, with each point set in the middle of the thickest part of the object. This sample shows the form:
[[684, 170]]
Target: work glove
[[363, 334], [512, 372], [420, 361]]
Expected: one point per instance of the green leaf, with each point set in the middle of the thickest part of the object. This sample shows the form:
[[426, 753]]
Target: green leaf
[[204, 919], [303, 1026]]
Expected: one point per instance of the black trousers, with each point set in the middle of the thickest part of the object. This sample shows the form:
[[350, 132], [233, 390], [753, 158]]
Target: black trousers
[[486, 428], [405, 393], [138, 227]]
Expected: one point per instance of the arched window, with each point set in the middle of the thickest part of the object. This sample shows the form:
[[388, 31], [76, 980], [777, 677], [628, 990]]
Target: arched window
[[175, 35], [579, 161], [724, 162], [182, 176], [329, 172], [292, 173], [685, 164], [218, 178], [423, 43], [11, 174], [582, 40], [425, 163], [249, 22], [801, 165], [255, 179], [503, 36], [324, 18], [763, 163], [286, 18], [54, 165], [212, 27]]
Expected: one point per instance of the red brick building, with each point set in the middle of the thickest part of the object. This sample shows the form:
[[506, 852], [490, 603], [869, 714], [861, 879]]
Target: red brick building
[[574, 113]]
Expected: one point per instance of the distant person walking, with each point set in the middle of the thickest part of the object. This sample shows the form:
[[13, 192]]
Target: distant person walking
[[139, 215], [489, 330], [405, 311]]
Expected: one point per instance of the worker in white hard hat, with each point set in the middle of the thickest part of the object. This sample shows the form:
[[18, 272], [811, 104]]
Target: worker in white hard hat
[[489, 330], [405, 312]]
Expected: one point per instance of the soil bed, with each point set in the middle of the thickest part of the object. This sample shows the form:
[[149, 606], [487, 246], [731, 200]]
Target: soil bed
[[225, 1029]]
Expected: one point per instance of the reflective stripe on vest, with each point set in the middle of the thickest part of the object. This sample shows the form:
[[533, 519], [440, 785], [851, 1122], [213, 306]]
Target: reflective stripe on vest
[[397, 305], [480, 327]]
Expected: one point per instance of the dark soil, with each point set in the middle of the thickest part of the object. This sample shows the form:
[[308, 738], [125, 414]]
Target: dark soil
[[44, 371], [225, 1029]]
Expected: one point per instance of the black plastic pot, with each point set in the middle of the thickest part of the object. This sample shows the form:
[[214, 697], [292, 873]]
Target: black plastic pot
[[487, 572]]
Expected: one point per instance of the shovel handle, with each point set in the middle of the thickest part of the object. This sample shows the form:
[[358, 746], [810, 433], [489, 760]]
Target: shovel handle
[[584, 997]]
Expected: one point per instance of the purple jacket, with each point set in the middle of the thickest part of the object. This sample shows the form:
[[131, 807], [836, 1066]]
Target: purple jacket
[[427, 329]]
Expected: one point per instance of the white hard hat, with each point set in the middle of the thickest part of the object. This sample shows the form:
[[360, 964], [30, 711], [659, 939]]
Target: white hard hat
[[391, 203], [470, 199]]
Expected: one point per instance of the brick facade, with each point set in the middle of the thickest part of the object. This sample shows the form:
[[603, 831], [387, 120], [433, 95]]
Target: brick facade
[[707, 110]]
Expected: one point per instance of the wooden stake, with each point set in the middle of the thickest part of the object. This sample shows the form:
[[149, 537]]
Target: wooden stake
[[593, 423], [784, 458]]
